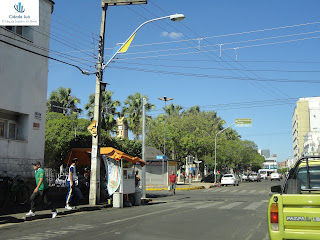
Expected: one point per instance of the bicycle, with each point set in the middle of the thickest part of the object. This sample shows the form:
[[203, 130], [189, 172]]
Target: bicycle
[[13, 190]]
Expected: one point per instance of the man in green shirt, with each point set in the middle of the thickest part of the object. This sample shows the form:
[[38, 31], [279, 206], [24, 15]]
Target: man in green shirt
[[41, 190]]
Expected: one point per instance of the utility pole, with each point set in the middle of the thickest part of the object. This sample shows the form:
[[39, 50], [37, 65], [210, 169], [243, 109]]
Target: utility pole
[[143, 175], [94, 194]]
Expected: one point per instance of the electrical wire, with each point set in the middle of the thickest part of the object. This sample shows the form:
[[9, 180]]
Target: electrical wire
[[222, 69], [216, 76], [39, 54]]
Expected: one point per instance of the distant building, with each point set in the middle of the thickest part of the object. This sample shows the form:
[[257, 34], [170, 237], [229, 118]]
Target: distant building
[[271, 164], [305, 121], [23, 93], [122, 129], [264, 152]]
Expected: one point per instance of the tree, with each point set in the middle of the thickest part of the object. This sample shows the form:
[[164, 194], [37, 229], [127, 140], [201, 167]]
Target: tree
[[108, 110], [173, 109], [63, 96], [133, 112]]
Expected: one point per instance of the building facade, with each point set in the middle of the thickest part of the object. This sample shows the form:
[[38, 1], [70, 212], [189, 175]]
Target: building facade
[[23, 93], [122, 129], [305, 121]]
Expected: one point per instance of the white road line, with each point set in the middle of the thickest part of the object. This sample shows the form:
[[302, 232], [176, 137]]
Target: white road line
[[225, 190], [243, 191], [252, 191], [148, 214], [231, 205], [263, 191], [254, 206], [208, 205], [233, 191]]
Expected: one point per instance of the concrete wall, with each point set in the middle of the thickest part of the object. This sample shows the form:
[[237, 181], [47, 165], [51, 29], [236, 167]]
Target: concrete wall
[[23, 94]]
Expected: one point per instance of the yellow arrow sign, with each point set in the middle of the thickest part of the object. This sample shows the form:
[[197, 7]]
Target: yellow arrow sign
[[93, 128]]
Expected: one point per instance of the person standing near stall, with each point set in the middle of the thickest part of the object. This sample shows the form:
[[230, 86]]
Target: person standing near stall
[[173, 182], [74, 193]]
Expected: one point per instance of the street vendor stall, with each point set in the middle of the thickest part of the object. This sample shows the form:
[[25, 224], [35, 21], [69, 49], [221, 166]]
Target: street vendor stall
[[120, 171]]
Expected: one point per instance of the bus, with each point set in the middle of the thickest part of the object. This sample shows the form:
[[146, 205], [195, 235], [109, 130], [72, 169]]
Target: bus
[[266, 172]]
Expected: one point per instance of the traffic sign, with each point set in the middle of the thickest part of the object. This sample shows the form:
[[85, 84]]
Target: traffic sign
[[161, 157], [243, 122], [93, 127]]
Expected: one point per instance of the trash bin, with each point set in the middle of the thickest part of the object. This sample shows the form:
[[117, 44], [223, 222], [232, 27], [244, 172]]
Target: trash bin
[[137, 197], [117, 200]]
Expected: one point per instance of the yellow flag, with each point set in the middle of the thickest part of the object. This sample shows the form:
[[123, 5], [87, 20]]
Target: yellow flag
[[127, 45]]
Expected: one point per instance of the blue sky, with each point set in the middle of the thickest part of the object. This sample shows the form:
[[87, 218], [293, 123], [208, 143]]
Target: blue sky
[[172, 63]]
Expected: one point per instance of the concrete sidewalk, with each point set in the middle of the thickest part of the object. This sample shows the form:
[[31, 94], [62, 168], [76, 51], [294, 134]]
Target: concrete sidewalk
[[180, 186]]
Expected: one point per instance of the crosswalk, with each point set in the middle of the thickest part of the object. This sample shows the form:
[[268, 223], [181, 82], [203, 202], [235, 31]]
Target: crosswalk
[[237, 191], [223, 205]]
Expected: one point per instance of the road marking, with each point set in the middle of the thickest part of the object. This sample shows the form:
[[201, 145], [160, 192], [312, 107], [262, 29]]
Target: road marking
[[225, 190], [265, 200], [243, 191], [208, 205], [233, 191], [252, 191], [254, 206], [231, 205], [262, 191]]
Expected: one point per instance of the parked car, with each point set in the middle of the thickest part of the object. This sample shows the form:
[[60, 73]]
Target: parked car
[[244, 177], [275, 176], [61, 181], [209, 178], [254, 177], [229, 179]]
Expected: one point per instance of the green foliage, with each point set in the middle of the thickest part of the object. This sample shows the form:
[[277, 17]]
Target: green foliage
[[133, 113], [108, 110], [63, 96]]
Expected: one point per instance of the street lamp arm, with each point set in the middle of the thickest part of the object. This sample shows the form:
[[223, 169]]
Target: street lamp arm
[[174, 17]]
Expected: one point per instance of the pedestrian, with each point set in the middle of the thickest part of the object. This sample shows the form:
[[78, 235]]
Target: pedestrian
[[41, 191], [137, 179], [173, 182], [218, 179], [74, 193]]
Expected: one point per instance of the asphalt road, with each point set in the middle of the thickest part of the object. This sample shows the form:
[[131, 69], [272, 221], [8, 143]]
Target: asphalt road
[[233, 212]]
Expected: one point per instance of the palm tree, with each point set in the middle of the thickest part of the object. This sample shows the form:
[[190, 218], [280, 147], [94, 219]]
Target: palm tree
[[133, 112], [173, 109], [108, 110], [68, 102]]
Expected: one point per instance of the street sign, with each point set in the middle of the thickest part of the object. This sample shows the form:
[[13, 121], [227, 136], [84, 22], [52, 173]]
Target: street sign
[[243, 122], [161, 157], [93, 127]]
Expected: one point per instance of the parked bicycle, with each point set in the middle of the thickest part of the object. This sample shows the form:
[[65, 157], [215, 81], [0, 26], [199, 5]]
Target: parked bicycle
[[13, 190]]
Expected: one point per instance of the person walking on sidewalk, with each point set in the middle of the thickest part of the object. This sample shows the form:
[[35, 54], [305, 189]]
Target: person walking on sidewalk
[[173, 182], [41, 190], [74, 193]]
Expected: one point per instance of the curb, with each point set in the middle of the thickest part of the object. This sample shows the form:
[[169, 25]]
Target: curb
[[166, 189]]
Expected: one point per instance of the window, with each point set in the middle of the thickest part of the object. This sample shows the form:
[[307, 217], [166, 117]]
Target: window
[[314, 172], [13, 125], [23, 31], [2, 129]]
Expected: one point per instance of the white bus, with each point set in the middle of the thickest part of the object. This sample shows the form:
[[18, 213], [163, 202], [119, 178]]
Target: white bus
[[266, 172]]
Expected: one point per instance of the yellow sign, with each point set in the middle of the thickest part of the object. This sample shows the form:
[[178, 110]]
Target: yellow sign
[[93, 128]]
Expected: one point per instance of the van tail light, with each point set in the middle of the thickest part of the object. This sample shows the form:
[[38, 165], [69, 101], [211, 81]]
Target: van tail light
[[274, 217], [232, 178]]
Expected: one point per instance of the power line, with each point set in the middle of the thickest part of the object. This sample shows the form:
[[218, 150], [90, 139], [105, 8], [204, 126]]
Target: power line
[[223, 69], [39, 54], [216, 76]]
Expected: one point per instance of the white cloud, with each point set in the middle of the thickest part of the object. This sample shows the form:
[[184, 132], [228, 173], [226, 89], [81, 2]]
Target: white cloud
[[173, 35]]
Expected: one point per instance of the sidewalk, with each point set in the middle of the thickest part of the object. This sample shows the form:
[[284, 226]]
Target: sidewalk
[[181, 186]]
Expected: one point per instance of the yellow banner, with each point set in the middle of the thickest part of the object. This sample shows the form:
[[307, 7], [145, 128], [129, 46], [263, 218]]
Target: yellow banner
[[127, 45]]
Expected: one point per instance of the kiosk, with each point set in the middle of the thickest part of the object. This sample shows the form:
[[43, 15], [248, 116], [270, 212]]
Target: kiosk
[[120, 172]]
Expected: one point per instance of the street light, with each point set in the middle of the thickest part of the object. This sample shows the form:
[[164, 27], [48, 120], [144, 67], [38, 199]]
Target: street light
[[94, 195], [165, 99]]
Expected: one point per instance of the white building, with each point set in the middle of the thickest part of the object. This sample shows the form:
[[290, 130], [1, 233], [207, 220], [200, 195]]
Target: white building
[[23, 93], [311, 143]]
